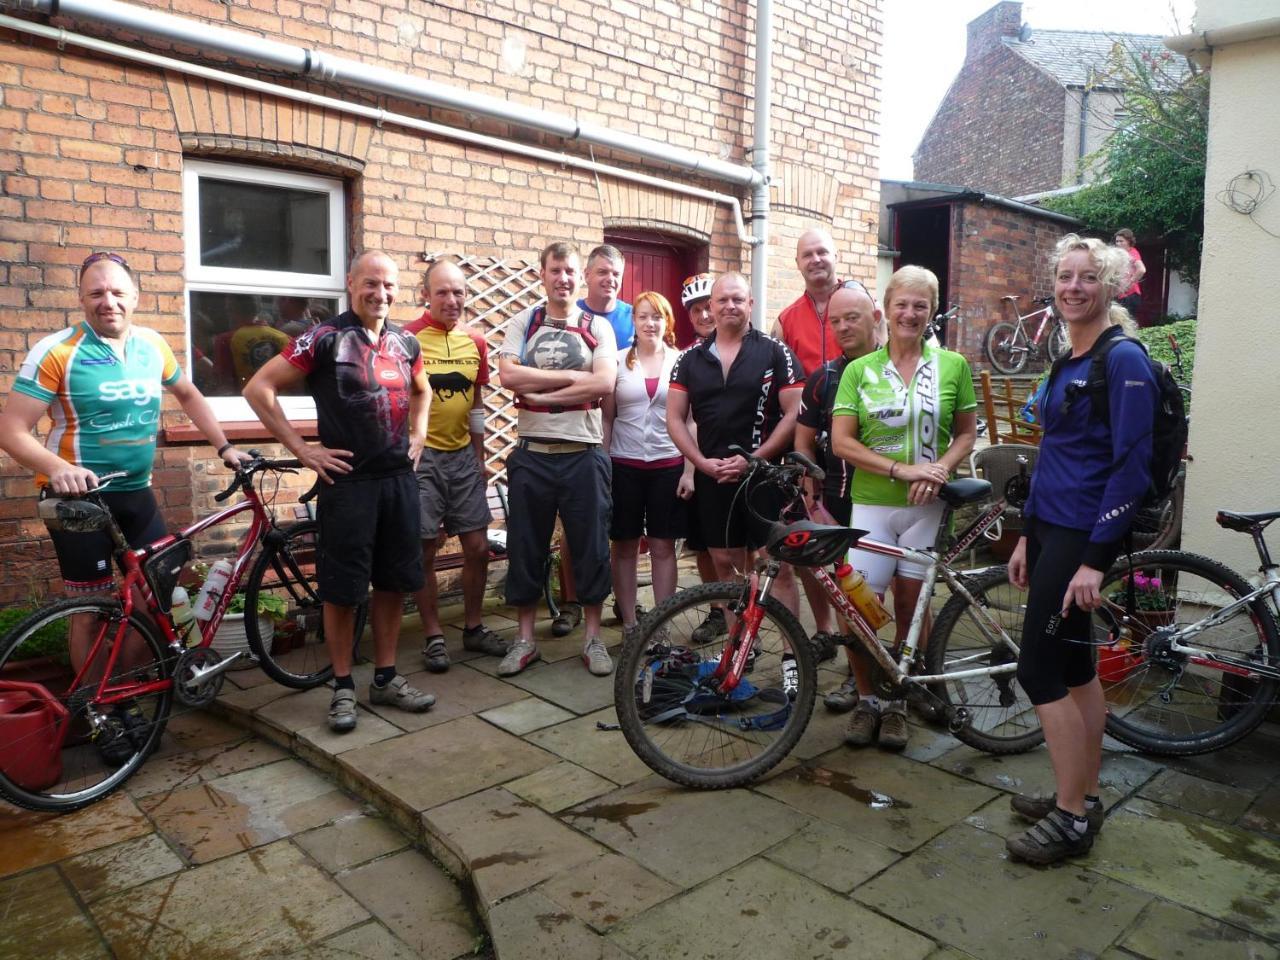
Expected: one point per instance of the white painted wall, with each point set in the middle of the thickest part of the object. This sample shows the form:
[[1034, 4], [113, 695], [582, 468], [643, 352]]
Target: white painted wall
[[1235, 426]]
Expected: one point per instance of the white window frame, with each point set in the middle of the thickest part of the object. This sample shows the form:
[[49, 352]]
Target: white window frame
[[204, 279]]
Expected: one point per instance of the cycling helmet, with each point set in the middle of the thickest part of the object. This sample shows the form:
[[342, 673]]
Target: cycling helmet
[[697, 287]]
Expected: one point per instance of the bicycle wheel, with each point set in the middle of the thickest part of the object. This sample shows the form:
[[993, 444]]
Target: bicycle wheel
[[1057, 345], [1000, 717], [675, 720], [1007, 347], [1173, 704], [58, 750], [296, 654]]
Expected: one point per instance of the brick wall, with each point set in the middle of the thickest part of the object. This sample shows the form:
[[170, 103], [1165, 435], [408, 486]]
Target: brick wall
[[92, 149], [999, 128], [996, 252]]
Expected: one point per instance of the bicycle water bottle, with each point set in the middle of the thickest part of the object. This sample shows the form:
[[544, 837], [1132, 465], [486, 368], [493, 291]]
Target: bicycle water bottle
[[184, 616], [211, 591], [861, 595]]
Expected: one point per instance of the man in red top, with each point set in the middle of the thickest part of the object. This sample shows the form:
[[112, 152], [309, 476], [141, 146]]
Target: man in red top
[[803, 326]]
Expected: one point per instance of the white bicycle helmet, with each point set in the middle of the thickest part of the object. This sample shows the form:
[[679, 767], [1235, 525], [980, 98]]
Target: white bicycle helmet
[[697, 287]]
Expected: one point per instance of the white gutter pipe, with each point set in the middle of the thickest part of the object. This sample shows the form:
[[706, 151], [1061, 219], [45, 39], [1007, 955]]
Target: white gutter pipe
[[760, 163], [379, 116], [1208, 40], [352, 73]]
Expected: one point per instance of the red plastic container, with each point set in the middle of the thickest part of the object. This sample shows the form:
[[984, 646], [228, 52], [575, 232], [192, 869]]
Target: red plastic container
[[31, 731]]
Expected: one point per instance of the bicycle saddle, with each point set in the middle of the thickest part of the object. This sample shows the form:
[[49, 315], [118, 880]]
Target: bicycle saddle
[[965, 490], [1244, 521]]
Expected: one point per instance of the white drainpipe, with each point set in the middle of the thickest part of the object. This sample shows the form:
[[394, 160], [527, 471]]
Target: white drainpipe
[[760, 163], [379, 116]]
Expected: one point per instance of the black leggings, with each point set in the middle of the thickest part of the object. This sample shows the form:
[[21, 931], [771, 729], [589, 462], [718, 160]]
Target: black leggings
[[1056, 651]]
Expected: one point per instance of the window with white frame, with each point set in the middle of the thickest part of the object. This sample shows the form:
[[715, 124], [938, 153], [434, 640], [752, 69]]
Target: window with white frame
[[264, 261]]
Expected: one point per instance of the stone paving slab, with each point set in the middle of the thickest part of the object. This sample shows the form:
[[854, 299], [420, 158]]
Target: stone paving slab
[[560, 786], [40, 919], [247, 809], [1166, 931], [350, 841], [110, 870], [831, 856], [896, 803], [29, 839], [962, 888], [1215, 869], [525, 716], [604, 752], [530, 926], [279, 899], [668, 829], [504, 844], [607, 890], [761, 910], [433, 766], [418, 903]]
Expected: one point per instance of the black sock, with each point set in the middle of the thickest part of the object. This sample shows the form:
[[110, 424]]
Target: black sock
[[383, 675], [343, 683]]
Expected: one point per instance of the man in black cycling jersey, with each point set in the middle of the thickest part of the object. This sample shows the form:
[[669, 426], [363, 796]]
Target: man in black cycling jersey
[[854, 319], [743, 389]]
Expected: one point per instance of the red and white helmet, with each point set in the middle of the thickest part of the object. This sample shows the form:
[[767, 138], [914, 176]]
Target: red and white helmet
[[697, 287]]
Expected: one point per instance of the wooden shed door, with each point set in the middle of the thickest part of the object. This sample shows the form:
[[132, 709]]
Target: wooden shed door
[[656, 263]]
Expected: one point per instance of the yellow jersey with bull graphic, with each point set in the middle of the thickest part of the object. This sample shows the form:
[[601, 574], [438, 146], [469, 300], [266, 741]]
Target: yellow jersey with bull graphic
[[457, 363]]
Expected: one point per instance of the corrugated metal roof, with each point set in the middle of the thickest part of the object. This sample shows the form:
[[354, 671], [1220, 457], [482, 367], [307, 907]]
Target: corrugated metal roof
[[1072, 57]]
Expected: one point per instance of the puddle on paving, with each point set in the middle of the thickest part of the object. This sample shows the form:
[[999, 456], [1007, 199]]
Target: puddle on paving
[[844, 784], [618, 813]]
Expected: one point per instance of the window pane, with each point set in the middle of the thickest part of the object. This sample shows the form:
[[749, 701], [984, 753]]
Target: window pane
[[258, 227], [233, 334]]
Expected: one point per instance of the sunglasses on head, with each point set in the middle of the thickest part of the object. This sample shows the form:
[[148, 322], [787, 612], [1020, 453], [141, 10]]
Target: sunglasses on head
[[98, 257]]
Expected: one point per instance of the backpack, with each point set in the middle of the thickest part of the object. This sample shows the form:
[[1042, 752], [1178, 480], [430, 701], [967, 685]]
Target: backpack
[[1168, 432]]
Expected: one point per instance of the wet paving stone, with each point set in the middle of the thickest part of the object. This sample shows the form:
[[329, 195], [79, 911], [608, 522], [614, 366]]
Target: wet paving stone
[[113, 869], [1166, 931], [29, 839], [40, 920], [660, 826], [831, 856], [896, 803], [351, 841], [247, 809], [280, 903], [504, 843], [559, 787], [1201, 797], [607, 890], [1214, 869], [962, 888], [604, 752], [417, 902], [766, 911]]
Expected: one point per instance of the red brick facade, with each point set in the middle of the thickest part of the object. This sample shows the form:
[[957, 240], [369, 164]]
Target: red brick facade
[[94, 148], [999, 128]]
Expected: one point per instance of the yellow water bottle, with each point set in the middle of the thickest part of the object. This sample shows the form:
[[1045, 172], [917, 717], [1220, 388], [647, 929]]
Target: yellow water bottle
[[861, 595]]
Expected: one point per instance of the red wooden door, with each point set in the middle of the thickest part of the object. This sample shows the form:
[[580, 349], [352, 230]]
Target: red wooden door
[[654, 263]]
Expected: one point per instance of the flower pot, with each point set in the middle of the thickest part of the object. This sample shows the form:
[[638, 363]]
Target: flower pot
[[230, 639]]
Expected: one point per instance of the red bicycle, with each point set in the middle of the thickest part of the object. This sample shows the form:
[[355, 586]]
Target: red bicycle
[[87, 684]]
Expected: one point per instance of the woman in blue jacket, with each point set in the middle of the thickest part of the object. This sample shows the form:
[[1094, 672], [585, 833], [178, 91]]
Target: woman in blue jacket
[[1088, 483]]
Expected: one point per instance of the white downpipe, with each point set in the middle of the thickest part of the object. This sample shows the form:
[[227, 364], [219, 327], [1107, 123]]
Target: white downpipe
[[313, 63], [379, 116], [760, 163]]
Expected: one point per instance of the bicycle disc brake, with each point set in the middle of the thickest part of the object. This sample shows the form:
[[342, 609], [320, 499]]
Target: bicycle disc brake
[[196, 679]]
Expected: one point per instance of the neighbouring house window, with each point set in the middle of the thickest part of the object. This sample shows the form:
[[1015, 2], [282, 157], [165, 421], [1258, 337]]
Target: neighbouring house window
[[264, 261]]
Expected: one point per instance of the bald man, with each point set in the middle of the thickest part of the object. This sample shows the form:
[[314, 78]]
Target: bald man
[[803, 325], [451, 475], [367, 379]]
